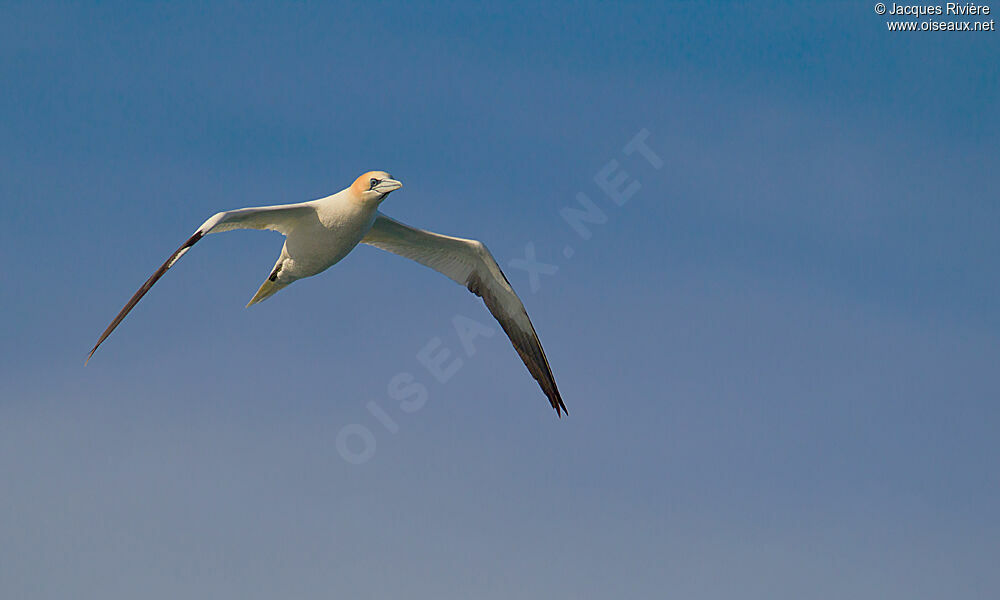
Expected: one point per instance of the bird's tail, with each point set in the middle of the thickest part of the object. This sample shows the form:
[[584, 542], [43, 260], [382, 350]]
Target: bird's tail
[[267, 289]]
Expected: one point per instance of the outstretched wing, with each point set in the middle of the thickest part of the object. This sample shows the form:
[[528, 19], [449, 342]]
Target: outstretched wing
[[469, 263], [278, 218]]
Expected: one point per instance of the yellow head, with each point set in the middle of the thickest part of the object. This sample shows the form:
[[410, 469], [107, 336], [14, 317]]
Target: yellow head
[[374, 186]]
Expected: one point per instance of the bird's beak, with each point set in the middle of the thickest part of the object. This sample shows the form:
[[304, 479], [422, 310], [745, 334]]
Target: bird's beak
[[388, 185]]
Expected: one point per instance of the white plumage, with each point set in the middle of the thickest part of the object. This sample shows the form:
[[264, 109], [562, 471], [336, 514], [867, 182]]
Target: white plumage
[[319, 233]]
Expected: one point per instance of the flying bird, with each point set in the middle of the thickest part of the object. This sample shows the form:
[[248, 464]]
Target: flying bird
[[319, 233]]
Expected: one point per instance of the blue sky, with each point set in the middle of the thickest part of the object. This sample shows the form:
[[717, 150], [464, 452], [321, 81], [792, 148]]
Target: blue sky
[[779, 356]]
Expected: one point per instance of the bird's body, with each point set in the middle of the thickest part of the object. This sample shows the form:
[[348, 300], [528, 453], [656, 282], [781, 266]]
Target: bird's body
[[319, 237], [319, 233]]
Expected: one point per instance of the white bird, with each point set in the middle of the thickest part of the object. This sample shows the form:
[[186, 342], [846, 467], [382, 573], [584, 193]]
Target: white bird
[[319, 233]]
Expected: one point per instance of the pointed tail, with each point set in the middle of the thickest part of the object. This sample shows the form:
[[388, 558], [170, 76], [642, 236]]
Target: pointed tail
[[267, 289]]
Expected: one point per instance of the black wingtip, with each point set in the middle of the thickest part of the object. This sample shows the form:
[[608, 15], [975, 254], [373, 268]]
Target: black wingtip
[[560, 407], [91, 355], [142, 291]]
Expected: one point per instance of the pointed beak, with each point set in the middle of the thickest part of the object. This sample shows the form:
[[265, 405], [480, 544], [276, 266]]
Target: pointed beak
[[388, 185]]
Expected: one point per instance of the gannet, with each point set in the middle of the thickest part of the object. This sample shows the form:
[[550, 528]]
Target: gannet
[[319, 233]]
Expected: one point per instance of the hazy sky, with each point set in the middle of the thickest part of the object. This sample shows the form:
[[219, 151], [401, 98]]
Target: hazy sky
[[779, 355]]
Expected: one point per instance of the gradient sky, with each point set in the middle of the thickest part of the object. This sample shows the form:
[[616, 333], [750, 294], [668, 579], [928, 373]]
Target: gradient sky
[[779, 356]]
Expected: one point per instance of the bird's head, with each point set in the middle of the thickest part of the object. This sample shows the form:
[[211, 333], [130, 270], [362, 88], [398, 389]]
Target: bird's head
[[374, 186]]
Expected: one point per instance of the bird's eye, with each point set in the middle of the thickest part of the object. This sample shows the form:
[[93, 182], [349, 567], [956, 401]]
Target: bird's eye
[[374, 183]]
